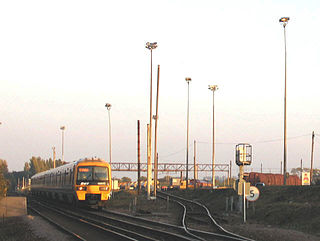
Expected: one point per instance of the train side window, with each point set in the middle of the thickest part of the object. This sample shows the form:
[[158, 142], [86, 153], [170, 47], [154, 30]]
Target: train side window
[[58, 179], [64, 177], [67, 178], [71, 175]]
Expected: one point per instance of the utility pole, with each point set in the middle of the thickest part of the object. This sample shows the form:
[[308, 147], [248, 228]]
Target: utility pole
[[230, 175], [150, 46], [312, 147], [139, 183], [149, 168], [213, 88], [261, 167], [187, 156], [54, 157], [108, 105], [155, 179], [195, 176], [301, 170], [284, 22]]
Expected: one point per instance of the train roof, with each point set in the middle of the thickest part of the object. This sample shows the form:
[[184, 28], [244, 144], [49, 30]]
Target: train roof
[[67, 167]]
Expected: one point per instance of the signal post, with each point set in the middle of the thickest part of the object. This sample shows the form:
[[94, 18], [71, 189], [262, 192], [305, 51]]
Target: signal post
[[243, 157]]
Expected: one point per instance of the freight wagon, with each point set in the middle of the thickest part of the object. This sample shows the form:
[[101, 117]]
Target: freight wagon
[[270, 179]]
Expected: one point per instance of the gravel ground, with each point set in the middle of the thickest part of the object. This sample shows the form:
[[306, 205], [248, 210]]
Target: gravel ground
[[29, 228], [268, 233], [233, 223], [43, 229]]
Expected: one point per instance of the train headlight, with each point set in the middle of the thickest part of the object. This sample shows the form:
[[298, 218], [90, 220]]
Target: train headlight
[[81, 188], [103, 188]]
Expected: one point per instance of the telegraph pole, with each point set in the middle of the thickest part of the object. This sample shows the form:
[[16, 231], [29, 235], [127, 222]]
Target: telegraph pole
[[149, 167], [54, 157], [155, 179], [301, 169], [195, 176], [139, 183], [312, 147]]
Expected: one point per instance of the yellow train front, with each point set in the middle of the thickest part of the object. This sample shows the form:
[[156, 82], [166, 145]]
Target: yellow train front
[[87, 181], [92, 181]]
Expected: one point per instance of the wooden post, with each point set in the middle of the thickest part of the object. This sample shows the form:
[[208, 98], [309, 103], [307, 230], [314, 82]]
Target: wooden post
[[54, 157], [231, 203], [155, 158], [312, 147], [139, 170], [149, 168], [227, 204], [301, 170], [195, 176]]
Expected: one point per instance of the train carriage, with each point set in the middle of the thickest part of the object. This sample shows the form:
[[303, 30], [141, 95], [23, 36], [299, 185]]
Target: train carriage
[[85, 181]]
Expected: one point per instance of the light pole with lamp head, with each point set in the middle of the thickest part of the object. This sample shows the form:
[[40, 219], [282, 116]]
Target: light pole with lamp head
[[188, 80], [213, 88], [150, 46], [284, 22], [108, 105]]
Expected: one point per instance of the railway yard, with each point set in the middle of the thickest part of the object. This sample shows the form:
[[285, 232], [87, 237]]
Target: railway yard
[[173, 216]]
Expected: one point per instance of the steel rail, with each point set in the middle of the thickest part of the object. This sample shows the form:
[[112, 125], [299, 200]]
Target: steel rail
[[229, 235], [83, 220], [167, 225], [168, 235], [77, 236]]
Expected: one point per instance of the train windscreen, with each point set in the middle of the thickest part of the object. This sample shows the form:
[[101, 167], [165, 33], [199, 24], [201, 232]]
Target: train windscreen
[[92, 174]]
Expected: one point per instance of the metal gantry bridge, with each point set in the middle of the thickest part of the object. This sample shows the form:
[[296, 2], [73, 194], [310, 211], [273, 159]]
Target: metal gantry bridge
[[168, 167]]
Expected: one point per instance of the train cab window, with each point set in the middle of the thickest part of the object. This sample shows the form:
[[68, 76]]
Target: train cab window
[[84, 174], [100, 174], [92, 174]]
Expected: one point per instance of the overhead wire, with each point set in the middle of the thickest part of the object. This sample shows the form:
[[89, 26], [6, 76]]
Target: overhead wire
[[235, 143]]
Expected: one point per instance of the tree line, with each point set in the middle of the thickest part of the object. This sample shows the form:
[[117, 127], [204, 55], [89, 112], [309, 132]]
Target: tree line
[[4, 183], [9, 181], [37, 164]]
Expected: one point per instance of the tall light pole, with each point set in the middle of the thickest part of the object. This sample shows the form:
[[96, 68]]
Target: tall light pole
[[213, 88], [150, 46], [62, 128], [284, 22], [109, 108], [188, 80]]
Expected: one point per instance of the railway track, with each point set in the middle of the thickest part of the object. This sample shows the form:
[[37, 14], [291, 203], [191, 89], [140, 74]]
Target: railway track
[[111, 227], [197, 215]]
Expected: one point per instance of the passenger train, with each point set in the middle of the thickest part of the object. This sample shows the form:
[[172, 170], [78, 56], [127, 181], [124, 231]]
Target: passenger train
[[86, 181]]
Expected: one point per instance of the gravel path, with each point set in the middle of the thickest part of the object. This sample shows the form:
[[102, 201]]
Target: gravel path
[[43, 229]]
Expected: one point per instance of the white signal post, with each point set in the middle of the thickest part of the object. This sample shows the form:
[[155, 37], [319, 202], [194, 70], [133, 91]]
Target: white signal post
[[243, 157]]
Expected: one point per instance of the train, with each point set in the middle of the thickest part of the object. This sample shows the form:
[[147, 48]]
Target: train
[[86, 181], [270, 179]]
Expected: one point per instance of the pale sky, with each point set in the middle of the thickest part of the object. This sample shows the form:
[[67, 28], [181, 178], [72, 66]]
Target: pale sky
[[61, 61]]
